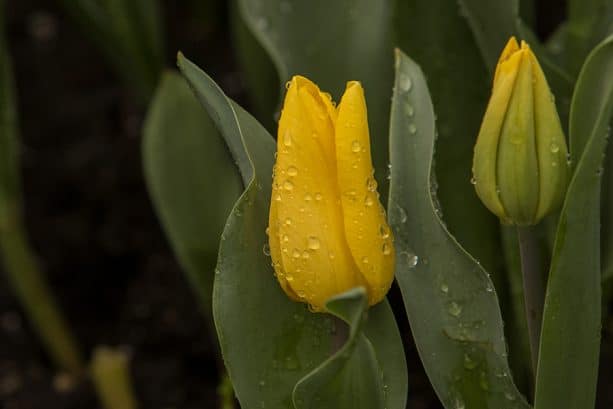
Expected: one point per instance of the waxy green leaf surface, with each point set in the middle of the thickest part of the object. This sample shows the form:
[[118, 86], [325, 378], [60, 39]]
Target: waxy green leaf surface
[[450, 301], [570, 337]]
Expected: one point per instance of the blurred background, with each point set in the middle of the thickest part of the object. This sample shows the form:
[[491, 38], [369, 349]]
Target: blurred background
[[91, 222]]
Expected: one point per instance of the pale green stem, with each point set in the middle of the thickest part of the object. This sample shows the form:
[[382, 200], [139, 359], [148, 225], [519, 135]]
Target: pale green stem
[[110, 371], [36, 297]]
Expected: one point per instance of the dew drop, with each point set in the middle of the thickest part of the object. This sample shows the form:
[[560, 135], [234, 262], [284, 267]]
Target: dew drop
[[313, 243], [554, 148], [289, 278], [292, 171], [305, 255], [409, 110], [365, 260], [296, 253], [266, 249], [384, 232], [285, 238], [356, 147], [287, 139], [454, 309], [473, 181], [371, 184], [318, 196], [278, 197], [444, 288], [288, 185], [308, 197], [386, 249], [412, 129], [368, 201], [288, 222], [405, 83], [288, 84]]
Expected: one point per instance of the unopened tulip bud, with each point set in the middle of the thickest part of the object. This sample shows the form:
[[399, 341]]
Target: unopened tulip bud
[[520, 167]]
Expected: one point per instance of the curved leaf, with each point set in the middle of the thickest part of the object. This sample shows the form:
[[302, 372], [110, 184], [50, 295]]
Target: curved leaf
[[449, 298], [572, 314], [332, 42], [268, 342], [353, 368], [191, 179]]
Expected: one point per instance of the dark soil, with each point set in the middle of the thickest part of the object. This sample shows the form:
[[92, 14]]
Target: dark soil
[[92, 225]]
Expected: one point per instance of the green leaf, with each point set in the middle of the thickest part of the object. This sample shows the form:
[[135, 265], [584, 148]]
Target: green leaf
[[492, 23], [450, 300], [260, 75], [191, 178], [589, 22], [332, 42], [353, 368], [269, 343], [459, 95], [129, 33], [570, 336]]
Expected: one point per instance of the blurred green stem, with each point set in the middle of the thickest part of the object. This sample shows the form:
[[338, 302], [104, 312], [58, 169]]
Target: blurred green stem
[[35, 295], [110, 370], [225, 392], [534, 288]]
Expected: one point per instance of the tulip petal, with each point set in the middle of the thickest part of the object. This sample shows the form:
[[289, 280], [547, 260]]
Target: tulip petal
[[368, 235], [517, 167], [486, 147], [316, 261], [551, 145], [511, 48]]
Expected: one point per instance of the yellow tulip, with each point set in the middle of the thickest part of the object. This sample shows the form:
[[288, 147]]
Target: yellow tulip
[[327, 229], [520, 166]]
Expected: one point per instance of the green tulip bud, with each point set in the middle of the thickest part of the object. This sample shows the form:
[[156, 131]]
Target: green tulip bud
[[520, 165]]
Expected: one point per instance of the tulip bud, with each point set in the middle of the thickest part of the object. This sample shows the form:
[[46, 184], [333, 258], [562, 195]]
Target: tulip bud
[[520, 166], [327, 229]]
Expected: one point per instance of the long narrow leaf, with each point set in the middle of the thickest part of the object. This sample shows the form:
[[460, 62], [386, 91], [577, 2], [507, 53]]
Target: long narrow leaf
[[570, 337]]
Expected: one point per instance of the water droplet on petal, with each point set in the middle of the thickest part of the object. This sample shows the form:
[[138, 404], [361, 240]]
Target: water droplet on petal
[[355, 146], [308, 197], [444, 288], [292, 171], [371, 184], [386, 249], [554, 148], [318, 196], [384, 232], [288, 222], [287, 139], [266, 249], [313, 243], [288, 185], [296, 253], [368, 201], [412, 129], [365, 260], [473, 181]]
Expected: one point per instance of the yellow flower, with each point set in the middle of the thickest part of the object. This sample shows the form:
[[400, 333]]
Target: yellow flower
[[327, 228], [520, 166]]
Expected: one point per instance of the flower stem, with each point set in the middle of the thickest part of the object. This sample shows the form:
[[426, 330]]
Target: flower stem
[[110, 369], [36, 297], [534, 288]]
